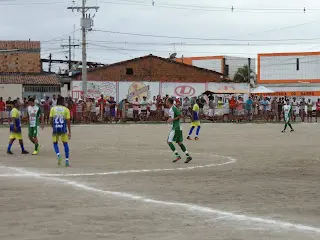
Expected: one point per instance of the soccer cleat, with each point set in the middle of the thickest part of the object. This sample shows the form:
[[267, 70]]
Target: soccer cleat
[[9, 152], [35, 152], [292, 130], [189, 138], [59, 160], [188, 159], [24, 152], [196, 138], [283, 131], [67, 163], [177, 159]]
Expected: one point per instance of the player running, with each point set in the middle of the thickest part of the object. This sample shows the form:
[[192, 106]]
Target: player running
[[195, 120], [15, 128], [61, 128], [34, 117], [175, 133], [287, 112]]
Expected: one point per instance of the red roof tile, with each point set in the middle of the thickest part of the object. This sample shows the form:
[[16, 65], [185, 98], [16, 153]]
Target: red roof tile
[[23, 45], [30, 79]]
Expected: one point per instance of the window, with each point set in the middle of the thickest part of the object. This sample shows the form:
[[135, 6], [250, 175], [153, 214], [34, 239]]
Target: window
[[129, 71], [298, 64]]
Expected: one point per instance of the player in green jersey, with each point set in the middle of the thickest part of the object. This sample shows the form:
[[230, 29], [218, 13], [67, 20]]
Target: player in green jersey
[[175, 134], [34, 117], [287, 113]]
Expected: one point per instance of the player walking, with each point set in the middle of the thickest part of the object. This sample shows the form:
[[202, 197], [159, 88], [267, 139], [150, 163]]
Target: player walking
[[60, 120], [15, 128], [195, 120], [287, 112], [175, 133], [34, 116]]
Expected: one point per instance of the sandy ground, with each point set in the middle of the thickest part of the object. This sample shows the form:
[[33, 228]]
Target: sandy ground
[[246, 181]]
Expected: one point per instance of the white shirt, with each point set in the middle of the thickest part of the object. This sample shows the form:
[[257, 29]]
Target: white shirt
[[54, 103], [153, 105]]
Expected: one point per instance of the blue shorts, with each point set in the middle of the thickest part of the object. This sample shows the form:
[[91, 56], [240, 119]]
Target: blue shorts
[[112, 112]]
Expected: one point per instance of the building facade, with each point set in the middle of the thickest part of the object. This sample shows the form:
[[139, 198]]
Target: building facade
[[226, 65], [146, 76], [21, 72]]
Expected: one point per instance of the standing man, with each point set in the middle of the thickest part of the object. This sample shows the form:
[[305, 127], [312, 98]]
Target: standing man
[[61, 128], [135, 105], [287, 111], [15, 128], [309, 110], [2, 110], [317, 109], [295, 108], [195, 120], [302, 109], [144, 107], [34, 116], [249, 106], [112, 104], [175, 133]]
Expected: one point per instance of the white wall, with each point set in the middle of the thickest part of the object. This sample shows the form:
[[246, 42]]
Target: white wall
[[212, 64], [10, 90], [285, 67]]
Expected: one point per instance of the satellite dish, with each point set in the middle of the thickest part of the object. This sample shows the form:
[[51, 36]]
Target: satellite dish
[[173, 56]]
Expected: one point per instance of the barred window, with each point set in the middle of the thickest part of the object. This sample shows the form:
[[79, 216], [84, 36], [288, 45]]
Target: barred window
[[31, 88]]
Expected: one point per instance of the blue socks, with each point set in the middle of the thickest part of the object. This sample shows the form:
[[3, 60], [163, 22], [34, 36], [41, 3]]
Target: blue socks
[[9, 147], [56, 148], [198, 130], [66, 149], [191, 130]]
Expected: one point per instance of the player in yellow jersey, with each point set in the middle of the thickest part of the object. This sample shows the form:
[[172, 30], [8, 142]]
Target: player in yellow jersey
[[15, 128], [61, 128], [195, 120]]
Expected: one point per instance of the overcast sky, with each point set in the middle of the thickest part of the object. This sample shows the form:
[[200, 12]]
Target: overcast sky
[[50, 22]]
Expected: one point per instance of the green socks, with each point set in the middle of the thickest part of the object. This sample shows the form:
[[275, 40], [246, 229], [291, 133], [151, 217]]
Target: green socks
[[173, 148], [36, 146], [183, 148]]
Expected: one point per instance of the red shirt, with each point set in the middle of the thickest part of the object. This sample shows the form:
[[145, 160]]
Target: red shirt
[[2, 106], [102, 102], [317, 104], [232, 103]]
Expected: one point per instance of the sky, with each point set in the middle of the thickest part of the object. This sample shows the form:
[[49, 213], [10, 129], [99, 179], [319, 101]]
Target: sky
[[124, 29]]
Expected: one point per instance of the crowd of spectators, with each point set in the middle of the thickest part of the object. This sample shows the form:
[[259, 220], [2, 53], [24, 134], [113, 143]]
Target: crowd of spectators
[[213, 108]]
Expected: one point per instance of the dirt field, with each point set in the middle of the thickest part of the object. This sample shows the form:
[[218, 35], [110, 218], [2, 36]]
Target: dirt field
[[246, 181]]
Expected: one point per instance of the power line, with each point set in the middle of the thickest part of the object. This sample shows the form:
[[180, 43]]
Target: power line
[[231, 8], [205, 39], [30, 3]]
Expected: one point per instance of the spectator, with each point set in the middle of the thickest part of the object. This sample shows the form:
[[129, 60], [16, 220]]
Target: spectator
[[135, 105], [232, 107], [54, 101], [220, 103], [88, 105], [46, 107], [240, 110], [102, 106], [112, 105], [93, 111], [249, 108], [317, 109], [295, 109], [9, 105], [309, 110], [143, 107], [153, 107], [302, 109], [2, 110], [211, 108]]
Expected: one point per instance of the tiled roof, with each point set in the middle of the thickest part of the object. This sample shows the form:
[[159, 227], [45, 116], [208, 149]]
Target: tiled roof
[[23, 45], [37, 79], [153, 56]]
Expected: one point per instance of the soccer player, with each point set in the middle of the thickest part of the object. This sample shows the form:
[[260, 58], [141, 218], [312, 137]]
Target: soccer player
[[34, 116], [61, 128], [287, 111], [195, 120], [15, 128], [175, 133]]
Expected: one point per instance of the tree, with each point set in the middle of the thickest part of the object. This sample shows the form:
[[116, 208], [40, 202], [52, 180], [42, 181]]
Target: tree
[[243, 75]]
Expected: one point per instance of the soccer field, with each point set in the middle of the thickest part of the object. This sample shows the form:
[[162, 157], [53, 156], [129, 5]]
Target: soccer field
[[246, 181]]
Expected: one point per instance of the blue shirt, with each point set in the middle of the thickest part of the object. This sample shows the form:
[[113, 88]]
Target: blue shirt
[[249, 104]]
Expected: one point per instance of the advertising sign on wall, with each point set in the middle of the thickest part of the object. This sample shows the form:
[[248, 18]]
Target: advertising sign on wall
[[239, 87], [131, 90], [95, 89], [182, 89]]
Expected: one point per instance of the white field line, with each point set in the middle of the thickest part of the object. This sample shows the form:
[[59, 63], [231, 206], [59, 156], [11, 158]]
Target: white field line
[[189, 207], [230, 161]]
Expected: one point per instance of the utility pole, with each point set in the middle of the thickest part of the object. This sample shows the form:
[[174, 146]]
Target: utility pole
[[50, 58], [70, 51], [86, 25]]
